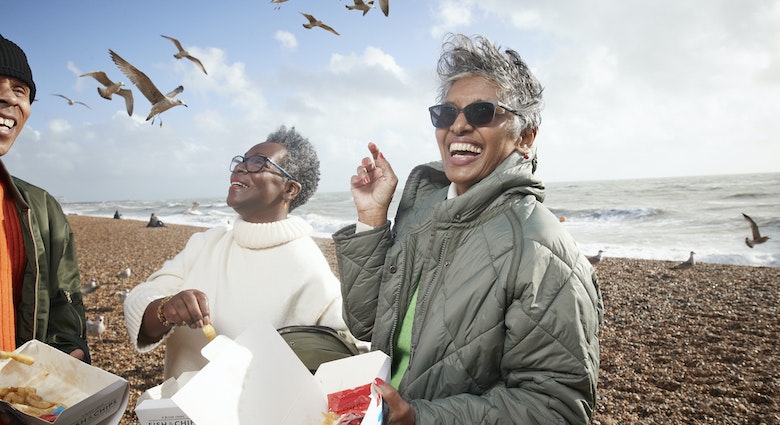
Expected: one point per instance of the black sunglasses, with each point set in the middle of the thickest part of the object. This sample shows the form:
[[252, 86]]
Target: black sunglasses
[[477, 114], [256, 164]]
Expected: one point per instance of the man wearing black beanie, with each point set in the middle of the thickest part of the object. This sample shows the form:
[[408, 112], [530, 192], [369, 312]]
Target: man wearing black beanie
[[40, 295]]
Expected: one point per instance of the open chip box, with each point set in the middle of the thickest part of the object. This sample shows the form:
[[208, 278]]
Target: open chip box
[[91, 396], [257, 378]]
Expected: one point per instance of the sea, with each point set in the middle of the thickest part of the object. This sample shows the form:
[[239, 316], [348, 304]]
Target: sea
[[655, 218]]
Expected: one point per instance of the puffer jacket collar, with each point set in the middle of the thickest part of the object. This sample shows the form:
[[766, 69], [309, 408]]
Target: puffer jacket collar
[[512, 178]]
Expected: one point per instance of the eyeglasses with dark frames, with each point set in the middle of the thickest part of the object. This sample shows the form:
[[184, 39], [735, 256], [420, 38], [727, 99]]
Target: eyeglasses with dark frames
[[477, 114], [256, 164]]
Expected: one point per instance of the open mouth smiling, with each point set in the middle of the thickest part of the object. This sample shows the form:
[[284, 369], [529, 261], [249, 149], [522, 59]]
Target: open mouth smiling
[[7, 122], [468, 149]]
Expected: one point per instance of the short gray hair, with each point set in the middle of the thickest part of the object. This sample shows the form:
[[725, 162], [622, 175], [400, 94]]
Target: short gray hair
[[462, 56], [301, 161]]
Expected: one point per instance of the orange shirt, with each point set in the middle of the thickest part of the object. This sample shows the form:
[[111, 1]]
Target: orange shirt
[[12, 263]]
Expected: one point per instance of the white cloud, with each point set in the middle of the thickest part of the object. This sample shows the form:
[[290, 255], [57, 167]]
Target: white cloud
[[451, 16], [372, 57], [286, 40]]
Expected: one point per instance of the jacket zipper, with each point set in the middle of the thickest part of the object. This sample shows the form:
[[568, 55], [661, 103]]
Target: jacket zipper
[[424, 305]]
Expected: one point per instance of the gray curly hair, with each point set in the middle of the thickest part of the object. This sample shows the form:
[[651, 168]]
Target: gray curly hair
[[301, 162], [462, 56]]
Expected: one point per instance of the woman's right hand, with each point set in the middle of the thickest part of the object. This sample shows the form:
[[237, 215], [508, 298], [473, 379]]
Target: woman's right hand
[[373, 187], [186, 308], [189, 307]]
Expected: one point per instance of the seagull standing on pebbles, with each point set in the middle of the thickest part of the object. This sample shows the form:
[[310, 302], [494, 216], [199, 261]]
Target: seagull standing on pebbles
[[594, 259], [160, 102], [686, 264], [757, 238], [314, 22], [96, 328], [70, 101], [124, 274], [122, 295], [185, 54], [112, 88], [360, 5], [89, 287]]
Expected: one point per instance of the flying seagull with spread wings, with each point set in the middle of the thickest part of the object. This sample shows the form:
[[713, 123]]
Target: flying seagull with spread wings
[[70, 101], [314, 22], [361, 5], [185, 54], [160, 103], [111, 88], [757, 238], [278, 1]]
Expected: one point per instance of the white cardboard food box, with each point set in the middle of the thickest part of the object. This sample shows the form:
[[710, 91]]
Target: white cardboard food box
[[258, 379], [155, 407], [92, 396]]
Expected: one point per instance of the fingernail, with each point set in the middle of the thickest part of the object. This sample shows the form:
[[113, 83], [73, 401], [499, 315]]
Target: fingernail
[[378, 381], [366, 180]]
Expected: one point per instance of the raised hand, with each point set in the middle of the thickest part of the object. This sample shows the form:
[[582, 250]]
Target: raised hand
[[373, 187]]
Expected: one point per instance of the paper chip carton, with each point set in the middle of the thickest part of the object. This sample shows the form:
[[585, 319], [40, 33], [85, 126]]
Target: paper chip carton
[[155, 407], [258, 379], [90, 395]]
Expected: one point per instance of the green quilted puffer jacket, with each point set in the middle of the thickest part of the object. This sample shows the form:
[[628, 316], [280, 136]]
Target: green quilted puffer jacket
[[51, 309], [508, 309]]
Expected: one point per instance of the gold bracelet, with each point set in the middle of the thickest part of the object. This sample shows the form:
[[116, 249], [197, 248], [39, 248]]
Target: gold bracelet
[[161, 315]]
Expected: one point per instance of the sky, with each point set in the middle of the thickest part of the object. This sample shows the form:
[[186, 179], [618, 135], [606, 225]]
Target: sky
[[633, 89]]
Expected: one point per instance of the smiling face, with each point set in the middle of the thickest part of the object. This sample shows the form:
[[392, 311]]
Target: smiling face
[[265, 196], [471, 153], [14, 110]]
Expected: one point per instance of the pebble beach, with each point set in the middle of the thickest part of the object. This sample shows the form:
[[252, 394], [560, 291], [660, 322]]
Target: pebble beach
[[700, 345]]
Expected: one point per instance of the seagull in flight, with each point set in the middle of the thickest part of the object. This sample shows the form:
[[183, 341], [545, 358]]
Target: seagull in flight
[[71, 101], [111, 88], [314, 22], [360, 5], [160, 102], [185, 54], [686, 264], [385, 6], [757, 238], [278, 1]]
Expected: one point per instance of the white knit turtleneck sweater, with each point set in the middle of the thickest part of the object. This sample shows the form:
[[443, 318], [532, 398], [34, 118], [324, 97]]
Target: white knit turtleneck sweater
[[247, 269]]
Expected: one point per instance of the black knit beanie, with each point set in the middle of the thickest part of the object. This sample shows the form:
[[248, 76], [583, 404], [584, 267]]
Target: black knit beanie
[[13, 63]]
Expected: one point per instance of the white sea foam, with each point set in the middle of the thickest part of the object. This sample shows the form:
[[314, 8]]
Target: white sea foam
[[662, 219]]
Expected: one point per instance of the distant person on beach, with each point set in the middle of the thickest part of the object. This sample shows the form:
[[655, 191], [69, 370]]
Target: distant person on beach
[[263, 264], [117, 215], [40, 287], [487, 307], [155, 222]]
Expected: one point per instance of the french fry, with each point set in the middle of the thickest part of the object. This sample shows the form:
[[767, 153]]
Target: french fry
[[27, 400], [209, 331], [23, 358]]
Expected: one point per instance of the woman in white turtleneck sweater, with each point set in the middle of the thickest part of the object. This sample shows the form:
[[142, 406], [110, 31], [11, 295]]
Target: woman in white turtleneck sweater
[[265, 264]]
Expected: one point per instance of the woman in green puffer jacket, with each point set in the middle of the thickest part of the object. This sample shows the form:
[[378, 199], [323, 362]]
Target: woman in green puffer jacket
[[488, 309]]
